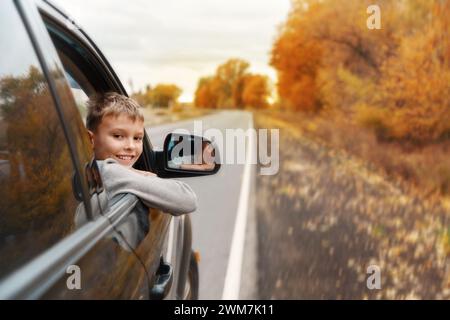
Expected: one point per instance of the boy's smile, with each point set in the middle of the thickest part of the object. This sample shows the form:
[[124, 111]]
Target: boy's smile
[[119, 138]]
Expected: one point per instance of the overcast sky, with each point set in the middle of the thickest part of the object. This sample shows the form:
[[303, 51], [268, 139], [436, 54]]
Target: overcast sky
[[178, 41]]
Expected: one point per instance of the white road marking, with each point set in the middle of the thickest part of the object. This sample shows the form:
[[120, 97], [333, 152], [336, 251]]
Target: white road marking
[[233, 274]]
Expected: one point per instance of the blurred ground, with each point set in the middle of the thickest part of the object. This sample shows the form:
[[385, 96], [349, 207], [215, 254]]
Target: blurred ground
[[326, 216]]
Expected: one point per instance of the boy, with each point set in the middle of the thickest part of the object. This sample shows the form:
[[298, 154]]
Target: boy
[[116, 128]]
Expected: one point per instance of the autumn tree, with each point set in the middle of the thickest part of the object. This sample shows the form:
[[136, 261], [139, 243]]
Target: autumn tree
[[206, 95], [255, 91], [232, 86], [162, 95], [394, 79], [415, 86], [297, 58], [143, 97], [319, 40], [229, 76], [35, 150]]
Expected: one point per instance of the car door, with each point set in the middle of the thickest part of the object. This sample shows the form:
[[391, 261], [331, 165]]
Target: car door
[[88, 72], [57, 237]]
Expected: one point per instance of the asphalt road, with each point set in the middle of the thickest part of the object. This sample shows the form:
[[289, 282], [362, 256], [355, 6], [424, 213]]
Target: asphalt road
[[214, 222]]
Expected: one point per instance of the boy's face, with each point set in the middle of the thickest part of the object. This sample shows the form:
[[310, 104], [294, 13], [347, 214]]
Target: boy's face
[[119, 138]]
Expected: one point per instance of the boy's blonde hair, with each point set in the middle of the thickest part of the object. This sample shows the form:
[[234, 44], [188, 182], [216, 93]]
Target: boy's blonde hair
[[110, 103]]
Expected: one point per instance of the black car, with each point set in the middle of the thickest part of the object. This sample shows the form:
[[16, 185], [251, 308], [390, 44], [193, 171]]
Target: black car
[[59, 236]]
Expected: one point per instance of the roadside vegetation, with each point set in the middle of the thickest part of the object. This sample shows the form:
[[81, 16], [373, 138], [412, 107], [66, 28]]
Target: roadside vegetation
[[382, 95]]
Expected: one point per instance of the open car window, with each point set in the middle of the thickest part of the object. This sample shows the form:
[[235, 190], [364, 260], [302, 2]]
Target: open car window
[[86, 75]]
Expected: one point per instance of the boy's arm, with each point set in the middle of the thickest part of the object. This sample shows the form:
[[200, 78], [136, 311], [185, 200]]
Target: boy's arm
[[172, 196], [144, 173]]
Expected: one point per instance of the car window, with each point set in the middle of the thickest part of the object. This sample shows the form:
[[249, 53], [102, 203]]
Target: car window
[[83, 70], [79, 95], [37, 203], [79, 84], [86, 75]]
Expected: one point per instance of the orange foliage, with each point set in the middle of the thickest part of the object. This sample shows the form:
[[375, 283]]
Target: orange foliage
[[206, 96], [394, 80], [297, 60], [162, 95], [415, 86], [232, 87], [255, 91], [36, 151]]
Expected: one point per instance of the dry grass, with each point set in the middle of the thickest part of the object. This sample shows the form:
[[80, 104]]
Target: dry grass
[[420, 169]]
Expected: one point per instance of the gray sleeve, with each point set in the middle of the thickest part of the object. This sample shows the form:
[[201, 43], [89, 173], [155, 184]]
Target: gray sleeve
[[171, 196]]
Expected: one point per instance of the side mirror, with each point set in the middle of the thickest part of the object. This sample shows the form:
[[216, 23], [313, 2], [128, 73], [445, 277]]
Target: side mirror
[[187, 155]]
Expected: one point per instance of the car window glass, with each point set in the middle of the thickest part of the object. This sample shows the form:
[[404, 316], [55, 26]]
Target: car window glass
[[79, 95], [37, 202], [78, 82]]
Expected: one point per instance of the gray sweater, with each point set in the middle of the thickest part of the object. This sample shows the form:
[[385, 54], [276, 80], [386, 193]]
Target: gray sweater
[[171, 196]]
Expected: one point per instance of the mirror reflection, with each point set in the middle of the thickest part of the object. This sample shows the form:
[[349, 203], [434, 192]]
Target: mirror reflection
[[189, 152]]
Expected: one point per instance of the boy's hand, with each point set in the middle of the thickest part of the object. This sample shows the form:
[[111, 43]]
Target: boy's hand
[[144, 173]]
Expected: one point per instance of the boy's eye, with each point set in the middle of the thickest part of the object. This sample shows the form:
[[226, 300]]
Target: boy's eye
[[118, 136], [138, 138]]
